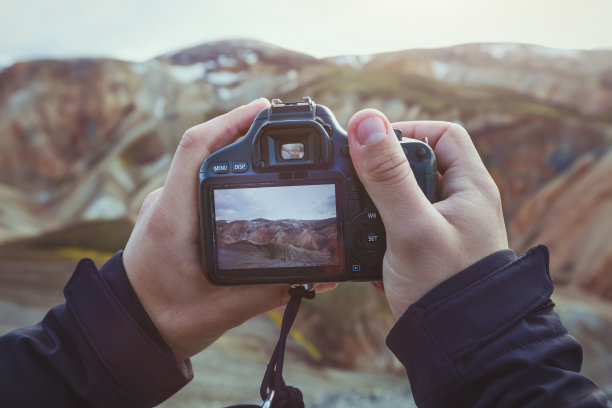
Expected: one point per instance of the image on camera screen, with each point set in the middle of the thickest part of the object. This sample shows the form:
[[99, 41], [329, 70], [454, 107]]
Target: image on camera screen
[[276, 227]]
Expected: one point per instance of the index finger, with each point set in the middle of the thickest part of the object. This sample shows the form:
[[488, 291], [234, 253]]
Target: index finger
[[458, 160], [200, 141], [451, 142]]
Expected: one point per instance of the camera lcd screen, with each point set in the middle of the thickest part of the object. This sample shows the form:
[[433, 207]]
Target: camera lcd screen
[[276, 227]]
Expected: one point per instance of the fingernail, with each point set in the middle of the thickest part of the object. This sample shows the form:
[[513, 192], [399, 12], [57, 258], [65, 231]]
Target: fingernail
[[370, 130]]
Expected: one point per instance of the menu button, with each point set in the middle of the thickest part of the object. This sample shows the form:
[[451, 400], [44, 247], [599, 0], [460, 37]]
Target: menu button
[[221, 168]]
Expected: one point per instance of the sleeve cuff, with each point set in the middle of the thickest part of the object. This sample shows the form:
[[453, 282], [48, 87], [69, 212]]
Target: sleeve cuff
[[466, 312], [143, 369], [113, 273]]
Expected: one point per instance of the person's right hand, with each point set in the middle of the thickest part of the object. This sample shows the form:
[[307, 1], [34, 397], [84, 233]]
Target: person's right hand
[[162, 258], [426, 244]]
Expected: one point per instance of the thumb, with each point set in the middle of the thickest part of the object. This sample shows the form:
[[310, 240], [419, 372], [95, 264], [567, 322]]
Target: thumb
[[384, 170]]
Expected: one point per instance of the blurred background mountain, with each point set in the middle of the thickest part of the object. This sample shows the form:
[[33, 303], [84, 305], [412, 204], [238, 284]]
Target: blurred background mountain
[[82, 141]]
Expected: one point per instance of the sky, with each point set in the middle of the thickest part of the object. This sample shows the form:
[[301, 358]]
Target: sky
[[313, 202], [138, 30]]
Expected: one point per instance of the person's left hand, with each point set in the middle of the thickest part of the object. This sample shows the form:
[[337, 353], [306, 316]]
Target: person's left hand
[[162, 257]]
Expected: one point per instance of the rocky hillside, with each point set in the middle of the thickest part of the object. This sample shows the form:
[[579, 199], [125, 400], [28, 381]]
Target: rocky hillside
[[83, 141], [307, 234], [572, 216], [262, 243], [87, 139]]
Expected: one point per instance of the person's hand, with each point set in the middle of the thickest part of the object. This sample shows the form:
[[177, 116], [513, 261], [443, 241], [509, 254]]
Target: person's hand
[[162, 257], [426, 244]]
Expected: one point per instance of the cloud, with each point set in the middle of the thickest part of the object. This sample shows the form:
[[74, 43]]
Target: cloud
[[307, 202], [327, 207]]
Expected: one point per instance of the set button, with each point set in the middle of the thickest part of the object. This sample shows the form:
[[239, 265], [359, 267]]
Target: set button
[[368, 237], [371, 240]]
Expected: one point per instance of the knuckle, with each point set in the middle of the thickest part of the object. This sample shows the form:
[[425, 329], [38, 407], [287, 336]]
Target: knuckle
[[494, 196], [150, 198], [457, 128], [489, 196], [154, 216], [488, 188], [229, 128], [493, 189], [146, 203], [458, 132], [387, 168], [159, 224], [190, 139]]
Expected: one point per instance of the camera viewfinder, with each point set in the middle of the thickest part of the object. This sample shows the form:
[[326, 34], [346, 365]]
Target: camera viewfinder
[[292, 151]]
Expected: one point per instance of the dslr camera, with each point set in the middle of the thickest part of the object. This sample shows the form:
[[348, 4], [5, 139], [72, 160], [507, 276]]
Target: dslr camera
[[284, 203]]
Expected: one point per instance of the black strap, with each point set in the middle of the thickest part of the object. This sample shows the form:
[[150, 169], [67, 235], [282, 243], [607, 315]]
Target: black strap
[[273, 388]]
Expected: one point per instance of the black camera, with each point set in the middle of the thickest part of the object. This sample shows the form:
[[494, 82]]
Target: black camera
[[284, 203]]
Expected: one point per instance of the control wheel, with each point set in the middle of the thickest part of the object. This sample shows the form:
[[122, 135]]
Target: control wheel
[[368, 238]]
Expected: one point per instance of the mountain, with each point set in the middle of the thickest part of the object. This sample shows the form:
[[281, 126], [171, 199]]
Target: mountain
[[572, 215], [265, 243], [82, 141], [87, 139], [238, 55]]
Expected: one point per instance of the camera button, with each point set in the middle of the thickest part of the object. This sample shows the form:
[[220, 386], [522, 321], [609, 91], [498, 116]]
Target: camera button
[[374, 241], [372, 216], [356, 266], [239, 167], [421, 153], [221, 168]]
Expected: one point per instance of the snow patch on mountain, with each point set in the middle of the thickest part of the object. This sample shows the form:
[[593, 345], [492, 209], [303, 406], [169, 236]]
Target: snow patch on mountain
[[225, 78], [227, 61], [5, 61], [554, 52], [160, 107], [440, 69], [139, 69], [292, 81], [500, 51], [188, 73], [227, 93], [107, 207], [355, 61], [248, 56]]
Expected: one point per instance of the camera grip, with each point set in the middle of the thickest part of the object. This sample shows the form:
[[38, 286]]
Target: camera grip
[[428, 182], [422, 161]]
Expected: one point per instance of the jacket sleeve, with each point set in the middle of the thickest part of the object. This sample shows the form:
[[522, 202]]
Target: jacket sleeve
[[99, 348], [488, 337]]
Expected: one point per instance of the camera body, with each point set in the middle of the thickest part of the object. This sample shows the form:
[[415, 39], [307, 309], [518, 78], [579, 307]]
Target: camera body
[[285, 205]]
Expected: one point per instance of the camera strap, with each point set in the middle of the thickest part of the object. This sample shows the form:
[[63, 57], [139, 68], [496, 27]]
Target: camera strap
[[274, 392]]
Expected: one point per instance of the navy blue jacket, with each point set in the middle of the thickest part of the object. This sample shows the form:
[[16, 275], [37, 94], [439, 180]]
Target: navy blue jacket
[[486, 337]]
